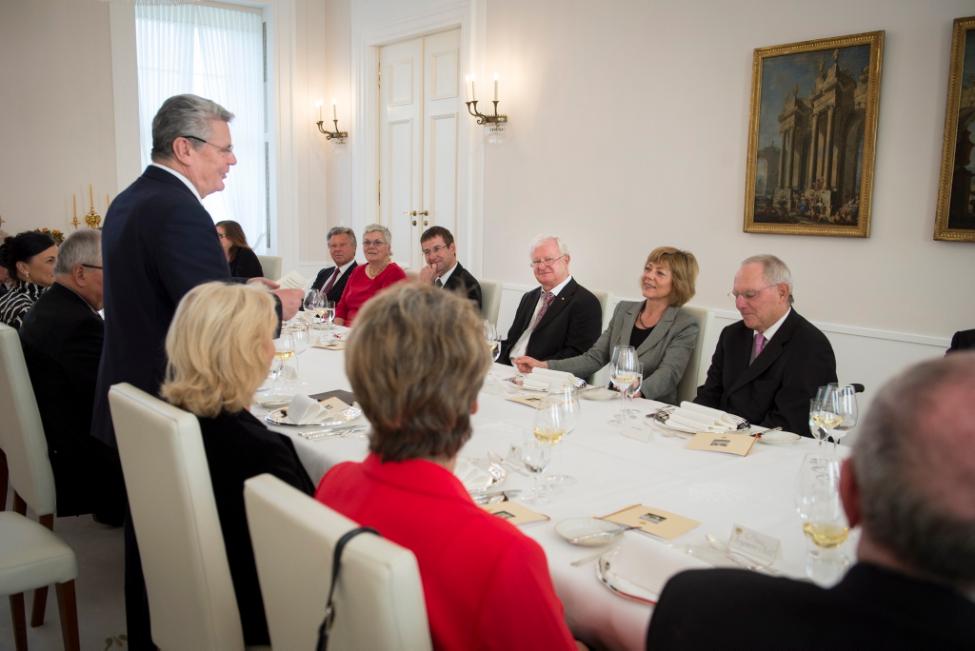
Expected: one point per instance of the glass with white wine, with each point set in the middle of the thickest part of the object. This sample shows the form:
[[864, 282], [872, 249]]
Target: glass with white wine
[[823, 519], [493, 339], [548, 429], [626, 376], [822, 412], [284, 351], [315, 305]]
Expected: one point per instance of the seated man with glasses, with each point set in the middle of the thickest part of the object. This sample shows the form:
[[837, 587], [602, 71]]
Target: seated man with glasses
[[443, 269], [768, 366], [558, 319]]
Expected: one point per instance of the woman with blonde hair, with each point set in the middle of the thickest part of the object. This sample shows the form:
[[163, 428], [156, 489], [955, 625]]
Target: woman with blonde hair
[[220, 345], [367, 280], [416, 360], [662, 333]]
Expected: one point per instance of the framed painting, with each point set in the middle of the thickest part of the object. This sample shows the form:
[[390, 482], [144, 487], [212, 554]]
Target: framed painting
[[812, 136], [955, 216]]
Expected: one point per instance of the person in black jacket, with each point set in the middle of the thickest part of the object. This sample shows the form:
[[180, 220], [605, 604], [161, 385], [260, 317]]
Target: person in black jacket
[[62, 338], [241, 258], [908, 485], [443, 269], [767, 366], [214, 323], [341, 247]]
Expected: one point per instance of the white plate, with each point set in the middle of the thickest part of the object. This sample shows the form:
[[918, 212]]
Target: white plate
[[347, 415], [588, 532], [779, 437], [273, 400], [599, 393]]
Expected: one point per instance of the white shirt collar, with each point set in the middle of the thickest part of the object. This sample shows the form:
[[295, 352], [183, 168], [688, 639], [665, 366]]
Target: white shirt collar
[[771, 330], [558, 288], [344, 267], [182, 178], [445, 275]]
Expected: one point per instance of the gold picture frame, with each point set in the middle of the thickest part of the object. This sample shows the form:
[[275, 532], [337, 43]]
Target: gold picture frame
[[955, 215], [812, 136]]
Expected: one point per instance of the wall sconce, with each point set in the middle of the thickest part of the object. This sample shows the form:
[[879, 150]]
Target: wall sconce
[[338, 136], [495, 123]]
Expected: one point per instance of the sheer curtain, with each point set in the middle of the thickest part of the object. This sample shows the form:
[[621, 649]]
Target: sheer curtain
[[217, 53]]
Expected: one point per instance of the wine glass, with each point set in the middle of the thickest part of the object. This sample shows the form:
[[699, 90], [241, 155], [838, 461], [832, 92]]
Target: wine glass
[[845, 403], [822, 412], [536, 454], [284, 350], [315, 304], [300, 337], [568, 400], [493, 339], [822, 516], [562, 412], [328, 310], [627, 377]]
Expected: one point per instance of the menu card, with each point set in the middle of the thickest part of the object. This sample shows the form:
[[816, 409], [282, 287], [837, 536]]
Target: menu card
[[740, 444], [533, 401], [514, 512], [653, 521]]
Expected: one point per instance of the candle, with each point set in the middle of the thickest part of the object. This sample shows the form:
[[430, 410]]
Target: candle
[[495, 87], [473, 92], [74, 206], [91, 198], [318, 104], [335, 116]]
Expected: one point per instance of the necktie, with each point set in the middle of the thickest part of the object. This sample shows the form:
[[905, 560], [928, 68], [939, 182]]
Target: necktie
[[547, 299], [757, 346], [331, 282], [438, 282]]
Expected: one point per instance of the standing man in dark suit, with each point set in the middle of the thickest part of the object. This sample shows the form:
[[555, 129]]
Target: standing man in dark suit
[[443, 269], [158, 243], [62, 338], [767, 367], [559, 319], [341, 246], [909, 486]]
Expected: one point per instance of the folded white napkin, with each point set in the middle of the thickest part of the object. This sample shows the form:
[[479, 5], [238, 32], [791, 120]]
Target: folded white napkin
[[304, 410], [692, 422], [647, 565], [554, 379], [718, 415], [534, 385]]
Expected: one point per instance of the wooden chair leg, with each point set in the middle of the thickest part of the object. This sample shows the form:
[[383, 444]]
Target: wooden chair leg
[[68, 608], [4, 479], [17, 616], [39, 606]]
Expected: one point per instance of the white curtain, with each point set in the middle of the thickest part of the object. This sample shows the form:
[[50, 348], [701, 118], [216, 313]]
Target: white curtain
[[216, 53]]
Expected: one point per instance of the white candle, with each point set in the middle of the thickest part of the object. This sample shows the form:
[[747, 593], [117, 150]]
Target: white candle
[[473, 92], [334, 113], [495, 87]]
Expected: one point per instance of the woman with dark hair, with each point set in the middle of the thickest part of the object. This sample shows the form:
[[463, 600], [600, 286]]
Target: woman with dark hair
[[29, 258], [241, 257]]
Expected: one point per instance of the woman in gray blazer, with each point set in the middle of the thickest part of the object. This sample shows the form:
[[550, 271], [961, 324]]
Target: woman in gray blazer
[[663, 334]]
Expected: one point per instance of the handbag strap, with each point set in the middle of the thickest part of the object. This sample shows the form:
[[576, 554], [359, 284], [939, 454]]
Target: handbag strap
[[326, 627]]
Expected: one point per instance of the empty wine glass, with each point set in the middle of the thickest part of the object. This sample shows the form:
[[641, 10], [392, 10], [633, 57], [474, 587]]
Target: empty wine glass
[[845, 403], [568, 399], [536, 454], [300, 336], [315, 305]]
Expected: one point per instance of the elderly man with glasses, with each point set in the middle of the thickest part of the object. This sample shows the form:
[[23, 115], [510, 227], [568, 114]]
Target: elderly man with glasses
[[558, 319], [768, 366]]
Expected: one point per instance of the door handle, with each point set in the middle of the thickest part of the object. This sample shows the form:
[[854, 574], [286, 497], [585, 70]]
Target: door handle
[[423, 213]]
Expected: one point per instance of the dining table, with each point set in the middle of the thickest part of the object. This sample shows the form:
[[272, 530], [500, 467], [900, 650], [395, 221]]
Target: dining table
[[608, 467]]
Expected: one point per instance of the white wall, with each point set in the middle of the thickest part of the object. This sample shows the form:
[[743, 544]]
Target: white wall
[[56, 116]]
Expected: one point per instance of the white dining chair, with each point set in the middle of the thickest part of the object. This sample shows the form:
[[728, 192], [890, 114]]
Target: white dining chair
[[490, 300], [687, 388], [378, 600], [271, 265], [32, 480], [191, 596]]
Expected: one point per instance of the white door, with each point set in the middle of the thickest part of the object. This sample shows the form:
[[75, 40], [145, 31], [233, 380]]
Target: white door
[[419, 108]]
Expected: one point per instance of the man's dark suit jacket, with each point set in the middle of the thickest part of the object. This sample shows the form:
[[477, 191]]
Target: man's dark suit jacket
[[570, 326], [158, 243], [62, 341], [462, 282], [238, 447], [871, 608], [962, 340], [776, 389], [335, 293]]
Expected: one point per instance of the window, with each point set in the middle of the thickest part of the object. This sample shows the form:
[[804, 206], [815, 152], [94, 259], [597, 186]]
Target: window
[[216, 52]]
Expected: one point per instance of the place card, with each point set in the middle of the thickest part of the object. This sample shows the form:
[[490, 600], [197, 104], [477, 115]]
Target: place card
[[728, 443], [533, 401], [345, 396], [754, 545], [333, 405], [335, 344], [653, 521], [514, 512]]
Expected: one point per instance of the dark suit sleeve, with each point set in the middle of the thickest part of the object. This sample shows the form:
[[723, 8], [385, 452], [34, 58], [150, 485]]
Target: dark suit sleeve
[[82, 352], [474, 294], [709, 394], [188, 252], [812, 365], [585, 325]]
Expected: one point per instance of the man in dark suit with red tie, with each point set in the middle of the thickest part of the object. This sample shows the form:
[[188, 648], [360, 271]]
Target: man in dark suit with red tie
[[908, 485], [341, 247], [558, 319], [767, 366]]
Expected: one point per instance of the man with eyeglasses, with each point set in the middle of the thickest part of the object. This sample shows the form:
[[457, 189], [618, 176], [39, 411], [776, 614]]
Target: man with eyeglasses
[[558, 319], [341, 247], [767, 367], [443, 269]]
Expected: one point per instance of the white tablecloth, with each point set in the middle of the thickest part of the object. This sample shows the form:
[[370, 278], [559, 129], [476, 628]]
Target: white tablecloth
[[612, 472]]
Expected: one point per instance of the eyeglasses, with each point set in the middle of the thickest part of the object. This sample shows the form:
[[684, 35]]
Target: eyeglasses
[[748, 294], [544, 262], [435, 249], [373, 242], [226, 151], [91, 266]]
